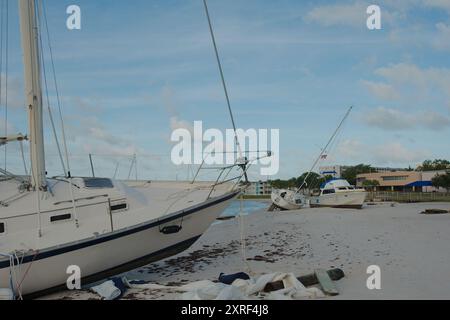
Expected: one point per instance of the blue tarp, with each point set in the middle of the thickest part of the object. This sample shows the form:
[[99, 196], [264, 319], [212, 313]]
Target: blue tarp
[[420, 184]]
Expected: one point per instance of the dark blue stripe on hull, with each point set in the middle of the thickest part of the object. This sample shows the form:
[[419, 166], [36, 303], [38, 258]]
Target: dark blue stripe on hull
[[153, 257]]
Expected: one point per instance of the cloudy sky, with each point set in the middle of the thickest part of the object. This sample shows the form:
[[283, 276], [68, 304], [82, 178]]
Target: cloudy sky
[[139, 69]]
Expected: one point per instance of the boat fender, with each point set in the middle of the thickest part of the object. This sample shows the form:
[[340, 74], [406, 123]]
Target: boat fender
[[171, 229]]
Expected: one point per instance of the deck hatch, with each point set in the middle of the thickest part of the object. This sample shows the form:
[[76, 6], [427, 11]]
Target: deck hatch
[[98, 183]]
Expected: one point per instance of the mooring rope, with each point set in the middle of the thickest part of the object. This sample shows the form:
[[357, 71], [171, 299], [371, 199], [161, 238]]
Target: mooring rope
[[243, 239], [240, 219]]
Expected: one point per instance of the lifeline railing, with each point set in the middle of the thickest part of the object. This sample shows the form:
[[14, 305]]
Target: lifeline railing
[[225, 171]]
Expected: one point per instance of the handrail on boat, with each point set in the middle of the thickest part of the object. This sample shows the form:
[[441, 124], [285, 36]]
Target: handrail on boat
[[225, 171]]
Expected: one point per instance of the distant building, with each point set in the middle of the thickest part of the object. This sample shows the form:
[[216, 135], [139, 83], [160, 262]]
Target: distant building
[[259, 188], [428, 176], [412, 181], [336, 171]]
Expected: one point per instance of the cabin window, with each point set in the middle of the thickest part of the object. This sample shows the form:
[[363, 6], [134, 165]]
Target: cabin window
[[61, 217], [2, 227], [328, 191], [118, 207]]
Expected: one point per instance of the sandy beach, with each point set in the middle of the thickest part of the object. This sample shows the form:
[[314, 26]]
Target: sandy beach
[[411, 249]]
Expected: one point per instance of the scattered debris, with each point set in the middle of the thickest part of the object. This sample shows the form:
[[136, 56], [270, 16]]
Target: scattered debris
[[241, 289], [435, 211], [326, 282], [261, 258], [226, 218], [6, 294], [229, 279], [107, 290], [112, 289], [307, 280]]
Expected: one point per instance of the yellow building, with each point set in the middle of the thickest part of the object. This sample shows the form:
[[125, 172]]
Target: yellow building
[[401, 180]]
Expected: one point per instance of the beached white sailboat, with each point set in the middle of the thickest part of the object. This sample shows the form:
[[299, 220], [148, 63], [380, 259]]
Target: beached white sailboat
[[286, 199], [100, 225], [335, 193]]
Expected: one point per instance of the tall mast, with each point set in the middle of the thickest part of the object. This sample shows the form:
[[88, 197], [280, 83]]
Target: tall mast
[[324, 150], [33, 90]]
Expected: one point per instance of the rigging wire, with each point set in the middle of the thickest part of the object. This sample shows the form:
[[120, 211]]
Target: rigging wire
[[58, 98], [244, 165], [23, 158], [50, 113], [334, 147], [216, 50], [2, 10], [42, 10], [330, 141], [6, 77]]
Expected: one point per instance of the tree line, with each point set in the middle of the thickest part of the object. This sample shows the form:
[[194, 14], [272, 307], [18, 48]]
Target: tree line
[[350, 174]]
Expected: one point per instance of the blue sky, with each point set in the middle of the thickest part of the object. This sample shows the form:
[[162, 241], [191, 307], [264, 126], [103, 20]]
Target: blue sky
[[138, 69]]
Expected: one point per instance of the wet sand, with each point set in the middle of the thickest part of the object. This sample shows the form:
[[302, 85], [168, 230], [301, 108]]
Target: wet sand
[[411, 249]]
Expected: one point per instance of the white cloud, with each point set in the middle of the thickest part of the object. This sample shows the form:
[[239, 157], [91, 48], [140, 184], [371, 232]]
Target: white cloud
[[382, 90], [350, 148], [353, 15], [7, 126], [412, 84], [389, 119], [433, 120], [88, 135], [391, 153], [16, 93], [101, 134], [442, 38], [348, 15], [439, 4], [404, 73], [394, 153], [394, 120], [168, 98], [176, 123]]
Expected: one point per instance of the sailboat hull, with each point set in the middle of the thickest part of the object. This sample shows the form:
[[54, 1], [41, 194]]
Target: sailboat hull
[[285, 200], [115, 252], [349, 199]]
